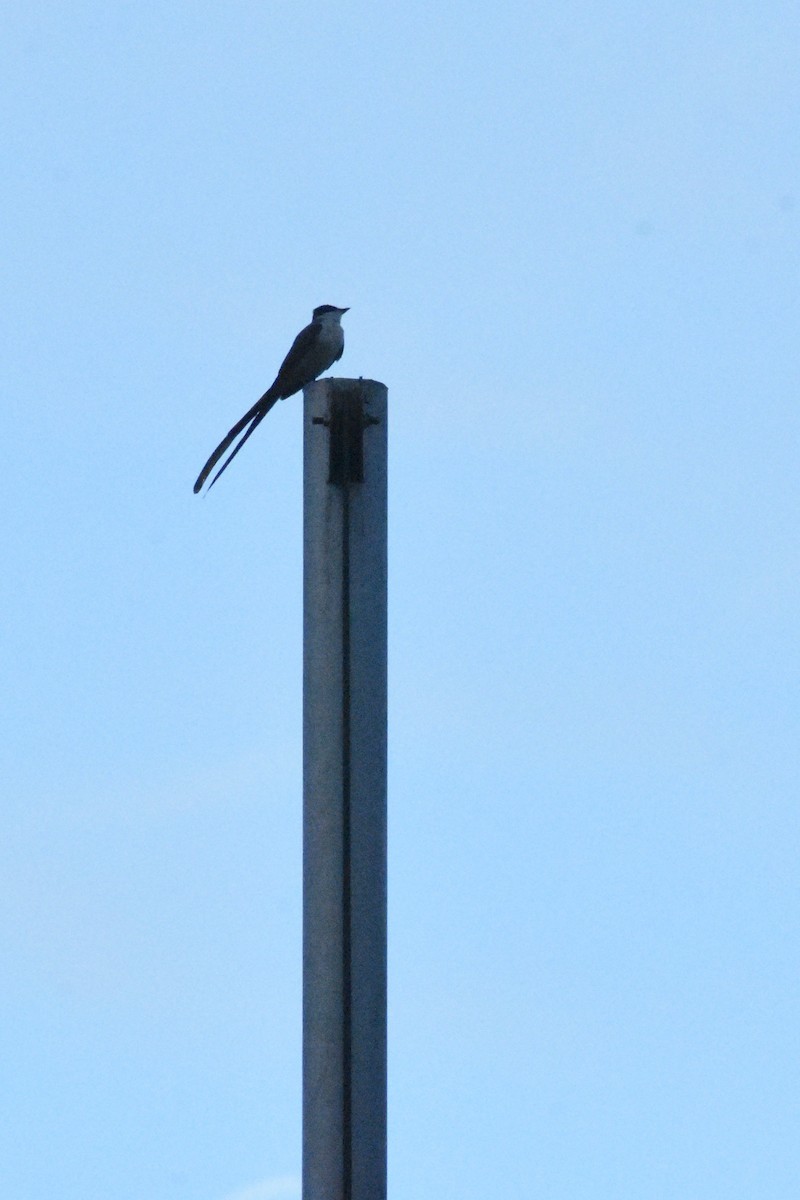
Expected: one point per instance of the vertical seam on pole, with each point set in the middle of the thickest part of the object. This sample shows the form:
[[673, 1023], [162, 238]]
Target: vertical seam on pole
[[347, 950]]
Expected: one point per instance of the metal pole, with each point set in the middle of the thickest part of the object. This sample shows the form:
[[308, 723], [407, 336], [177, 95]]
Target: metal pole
[[344, 791]]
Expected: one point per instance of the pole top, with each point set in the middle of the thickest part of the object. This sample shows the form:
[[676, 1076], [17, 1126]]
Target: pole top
[[347, 416]]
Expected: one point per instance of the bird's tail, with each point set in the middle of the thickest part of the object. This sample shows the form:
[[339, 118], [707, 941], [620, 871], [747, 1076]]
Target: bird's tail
[[253, 417]]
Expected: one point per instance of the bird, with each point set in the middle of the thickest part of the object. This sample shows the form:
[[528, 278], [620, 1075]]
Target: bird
[[314, 350]]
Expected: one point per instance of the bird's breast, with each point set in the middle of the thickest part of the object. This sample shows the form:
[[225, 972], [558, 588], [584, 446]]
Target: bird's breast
[[331, 341]]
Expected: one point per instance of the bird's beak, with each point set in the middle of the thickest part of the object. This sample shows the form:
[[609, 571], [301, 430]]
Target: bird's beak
[[344, 310]]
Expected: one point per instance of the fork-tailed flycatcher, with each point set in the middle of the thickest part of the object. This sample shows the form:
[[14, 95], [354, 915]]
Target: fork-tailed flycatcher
[[315, 348]]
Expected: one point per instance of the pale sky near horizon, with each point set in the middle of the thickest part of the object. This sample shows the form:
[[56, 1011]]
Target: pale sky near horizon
[[568, 237]]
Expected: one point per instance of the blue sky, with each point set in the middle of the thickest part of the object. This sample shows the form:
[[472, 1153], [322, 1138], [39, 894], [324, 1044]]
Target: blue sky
[[568, 234]]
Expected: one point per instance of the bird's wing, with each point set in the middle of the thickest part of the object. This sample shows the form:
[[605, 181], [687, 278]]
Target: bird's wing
[[292, 375], [254, 414]]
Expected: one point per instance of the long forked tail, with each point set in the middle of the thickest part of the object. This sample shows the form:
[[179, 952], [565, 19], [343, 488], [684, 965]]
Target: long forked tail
[[253, 417]]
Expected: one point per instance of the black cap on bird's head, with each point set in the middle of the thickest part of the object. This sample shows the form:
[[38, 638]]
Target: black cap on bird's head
[[327, 308]]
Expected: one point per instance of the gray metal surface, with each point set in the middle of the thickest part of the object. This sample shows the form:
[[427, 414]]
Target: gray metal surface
[[344, 784]]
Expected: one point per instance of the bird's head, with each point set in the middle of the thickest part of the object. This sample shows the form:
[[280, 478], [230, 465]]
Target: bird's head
[[329, 312]]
